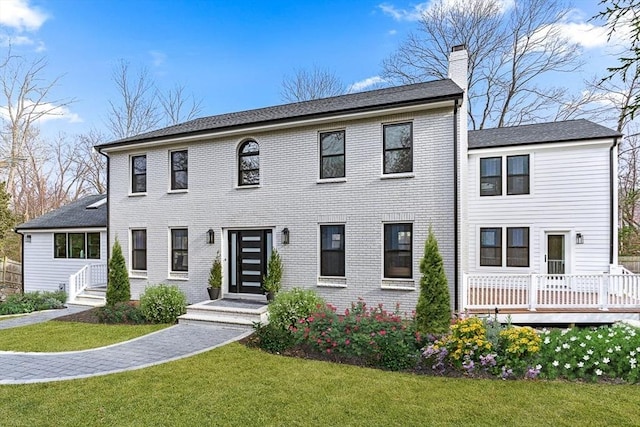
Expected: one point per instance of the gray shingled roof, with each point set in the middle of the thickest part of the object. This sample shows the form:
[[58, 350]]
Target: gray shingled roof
[[571, 130], [362, 101], [73, 215]]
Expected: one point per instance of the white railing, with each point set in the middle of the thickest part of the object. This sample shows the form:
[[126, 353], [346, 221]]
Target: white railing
[[533, 291], [88, 276]]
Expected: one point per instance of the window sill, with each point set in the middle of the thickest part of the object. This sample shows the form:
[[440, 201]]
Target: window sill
[[398, 284], [331, 285], [330, 180], [246, 187], [138, 275], [181, 191], [331, 282], [137, 194], [398, 175], [178, 276]]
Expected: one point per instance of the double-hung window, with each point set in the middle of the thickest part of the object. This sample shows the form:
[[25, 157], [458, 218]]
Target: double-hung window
[[179, 249], [398, 148], [491, 176], [517, 246], [491, 247], [179, 170], [332, 154], [332, 250], [398, 251], [518, 174], [139, 250], [139, 174]]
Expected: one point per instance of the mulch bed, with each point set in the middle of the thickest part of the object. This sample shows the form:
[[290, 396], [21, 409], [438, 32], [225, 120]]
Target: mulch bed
[[87, 316]]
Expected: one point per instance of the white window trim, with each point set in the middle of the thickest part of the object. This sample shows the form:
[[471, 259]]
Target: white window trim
[[390, 280], [170, 170], [398, 174], [319, 160], [137, 274], [236, 178], [338, 279], [130, 169], [176, 275]]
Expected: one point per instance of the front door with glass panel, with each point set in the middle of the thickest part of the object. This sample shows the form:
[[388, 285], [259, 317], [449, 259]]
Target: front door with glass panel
[[556, 254], [249, 251]]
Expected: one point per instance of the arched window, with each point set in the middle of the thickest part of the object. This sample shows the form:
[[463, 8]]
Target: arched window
[[249, 163]]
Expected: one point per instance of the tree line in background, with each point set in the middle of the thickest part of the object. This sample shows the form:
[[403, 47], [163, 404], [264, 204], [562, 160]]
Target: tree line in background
[[511, 55]]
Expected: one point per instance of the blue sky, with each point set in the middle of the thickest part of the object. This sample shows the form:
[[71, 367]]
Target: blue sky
[[231, 54]]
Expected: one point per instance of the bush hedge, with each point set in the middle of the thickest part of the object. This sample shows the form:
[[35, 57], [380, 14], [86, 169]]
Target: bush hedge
[[163, 303]]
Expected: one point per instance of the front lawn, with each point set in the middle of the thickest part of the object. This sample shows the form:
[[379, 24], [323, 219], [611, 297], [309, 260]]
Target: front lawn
[[235, 385], [56, 336]]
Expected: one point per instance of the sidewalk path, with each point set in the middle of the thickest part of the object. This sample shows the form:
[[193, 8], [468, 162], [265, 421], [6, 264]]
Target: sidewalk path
[[169, 344]]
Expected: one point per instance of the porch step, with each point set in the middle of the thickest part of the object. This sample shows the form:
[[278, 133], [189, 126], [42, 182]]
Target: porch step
[[226, 312], [92, 297]]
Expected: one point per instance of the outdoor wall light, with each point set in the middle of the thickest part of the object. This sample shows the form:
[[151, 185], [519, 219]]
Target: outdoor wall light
[[285, 236], [579, 238], [28, 238], [211, 236]]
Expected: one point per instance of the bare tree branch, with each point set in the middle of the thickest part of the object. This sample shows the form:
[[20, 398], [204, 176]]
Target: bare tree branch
[[310, 84]]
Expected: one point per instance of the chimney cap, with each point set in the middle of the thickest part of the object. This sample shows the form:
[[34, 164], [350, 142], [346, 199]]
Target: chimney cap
[[459, 47]]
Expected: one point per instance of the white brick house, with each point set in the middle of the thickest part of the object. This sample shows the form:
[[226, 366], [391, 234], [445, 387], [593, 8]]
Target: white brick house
[[346, 189]]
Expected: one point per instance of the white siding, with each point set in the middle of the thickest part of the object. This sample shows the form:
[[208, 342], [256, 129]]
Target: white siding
[[290, 196], [43, 272], [569, 192]]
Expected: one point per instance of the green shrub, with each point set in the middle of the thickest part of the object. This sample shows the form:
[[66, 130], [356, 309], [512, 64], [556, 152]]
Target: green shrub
[[163, 303], [121, 312], [118, 287], [433, 312], [32, 301], [373, 336], [290, 306], [273, 339]]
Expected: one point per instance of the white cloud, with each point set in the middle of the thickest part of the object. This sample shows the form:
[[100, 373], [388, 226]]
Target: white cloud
[[19, 15], [365, 84], [392, 32], [49, 112], [415, 13], [158, 58]]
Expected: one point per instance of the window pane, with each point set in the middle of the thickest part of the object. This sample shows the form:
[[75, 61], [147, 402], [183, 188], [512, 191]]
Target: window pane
[[251, 177], [76, 245], [139, 164], [138, 174], [398, 252], [249, 163], [139, 249], [518, 185], [60, 245], [332, 250], [180, 180], [250, 147], [332, 143], [332, 167], [397, 136], [93, 245], [398, 161], [491, 247]]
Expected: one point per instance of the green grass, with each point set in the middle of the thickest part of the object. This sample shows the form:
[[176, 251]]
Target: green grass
[[68, 336], [236, 386]]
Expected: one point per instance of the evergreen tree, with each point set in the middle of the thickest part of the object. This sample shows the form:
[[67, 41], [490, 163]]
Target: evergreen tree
[[118, 287], [433, 313]]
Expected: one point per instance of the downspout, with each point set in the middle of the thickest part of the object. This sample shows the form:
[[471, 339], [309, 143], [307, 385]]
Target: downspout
[[611, 206], [456, 249]]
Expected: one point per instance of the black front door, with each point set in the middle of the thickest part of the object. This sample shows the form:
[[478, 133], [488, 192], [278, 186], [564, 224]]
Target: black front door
[[249, 251]]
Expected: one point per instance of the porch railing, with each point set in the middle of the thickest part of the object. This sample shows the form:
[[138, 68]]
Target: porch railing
[[91, 275], [533, 291]]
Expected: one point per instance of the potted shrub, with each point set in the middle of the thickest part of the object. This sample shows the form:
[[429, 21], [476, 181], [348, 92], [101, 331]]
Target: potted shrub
[[215, 278], [272, 280]]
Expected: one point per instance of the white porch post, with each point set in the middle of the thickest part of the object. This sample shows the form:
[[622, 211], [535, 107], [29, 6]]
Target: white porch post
[[533, 292], [465, 291]]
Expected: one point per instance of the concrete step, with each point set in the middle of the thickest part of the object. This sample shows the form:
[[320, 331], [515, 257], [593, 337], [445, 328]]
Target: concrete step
[[89, 300], [226, 312]]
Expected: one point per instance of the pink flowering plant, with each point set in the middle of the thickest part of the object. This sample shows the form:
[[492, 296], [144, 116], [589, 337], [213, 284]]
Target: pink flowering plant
[[372, 335]]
